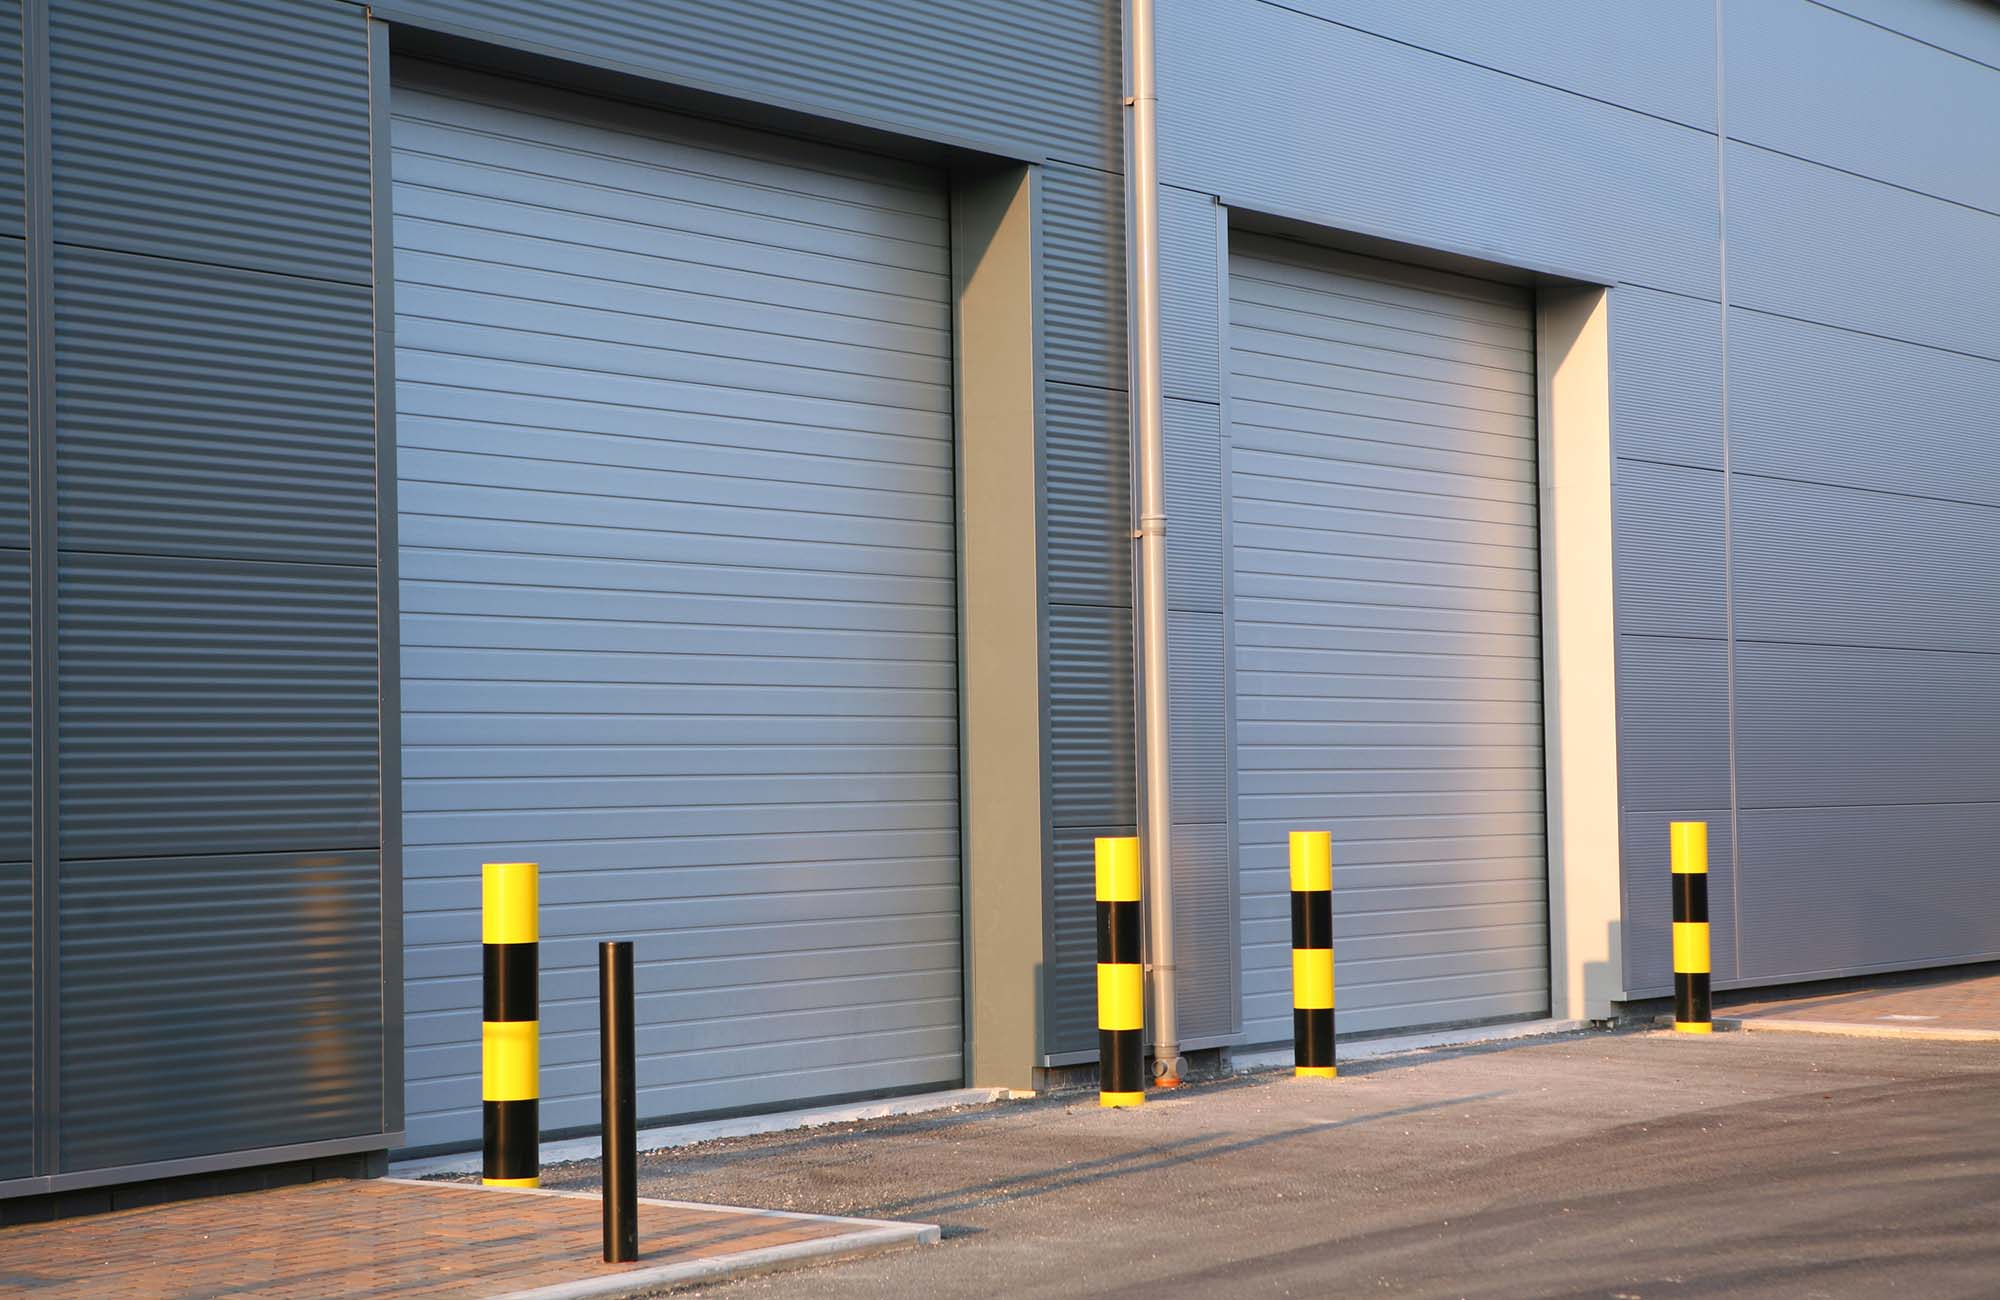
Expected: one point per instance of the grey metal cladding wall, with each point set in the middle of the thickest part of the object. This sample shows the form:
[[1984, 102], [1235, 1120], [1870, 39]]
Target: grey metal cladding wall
[[16, 880], [209, 411], [1083, 276], [215, 706], [1197, 556], [16, 709], [1830, 881], [1811, 401], [1963, 26], [1808, 241], [233, 132], [1809, 81], [13, 395], [258, 1018], [1190, 296], [1090, 717], [1657, 59], [1087, 512], [11, 134], [1666, 377], [1429, 149], [1667, 565], [1031, 74]]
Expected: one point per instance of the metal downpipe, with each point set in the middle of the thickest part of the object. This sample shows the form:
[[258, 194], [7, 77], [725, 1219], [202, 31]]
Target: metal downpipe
[[1150, 612]]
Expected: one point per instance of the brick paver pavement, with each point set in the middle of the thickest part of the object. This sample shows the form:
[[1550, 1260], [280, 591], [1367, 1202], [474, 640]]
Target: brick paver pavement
[[377, 1238], [1946, 1003]]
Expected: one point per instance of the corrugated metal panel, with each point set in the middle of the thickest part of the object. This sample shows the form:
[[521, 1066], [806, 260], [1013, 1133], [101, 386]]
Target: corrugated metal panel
[[1966, 26], [1429, 150], [1658, 59], [1820, 726], [218, 1004], [1844, 567], [1198, 719], [1817, 84], [1090, 716], [1031, 74], [1673, 722], [1666, 378], [1190, 296], [17, 1009], [13, 396], [1647, 930], [1808, 241], [1086, 487], [1814, 402], [678, 596], [1830, 891], [1083, 276], [205, 411], [1667, 559], [1205, 934], [1193, 437], [231, 134], [16, 710], [216, 706], [1387, 634], [12, 110]]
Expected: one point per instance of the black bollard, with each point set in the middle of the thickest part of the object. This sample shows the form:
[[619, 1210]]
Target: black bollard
[[621, 1135]]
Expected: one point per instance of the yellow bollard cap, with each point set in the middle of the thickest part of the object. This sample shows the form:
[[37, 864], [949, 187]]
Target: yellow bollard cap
[[1312, 860], [1118, 869], [1687, 844], [510, 902]]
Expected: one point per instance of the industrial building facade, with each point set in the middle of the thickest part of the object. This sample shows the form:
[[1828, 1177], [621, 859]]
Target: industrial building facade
[[686, 445]]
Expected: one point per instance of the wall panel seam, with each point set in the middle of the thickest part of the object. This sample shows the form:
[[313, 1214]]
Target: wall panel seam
[[1728, 537], [1908, 36], [1861, 176]]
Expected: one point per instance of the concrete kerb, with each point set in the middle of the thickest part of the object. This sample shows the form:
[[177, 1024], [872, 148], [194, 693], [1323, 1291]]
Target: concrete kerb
[[1843, 1029], [668, 1137], [866, 1237]]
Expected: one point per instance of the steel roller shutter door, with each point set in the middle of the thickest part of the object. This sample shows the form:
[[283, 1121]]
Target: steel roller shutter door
[[678, 596], [1387, 632]]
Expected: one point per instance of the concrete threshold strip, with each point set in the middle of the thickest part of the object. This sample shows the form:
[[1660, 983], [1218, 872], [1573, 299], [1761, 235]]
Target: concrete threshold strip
[[1857, 1029], [866, 1237], [1369, 1049], [668, 1137]]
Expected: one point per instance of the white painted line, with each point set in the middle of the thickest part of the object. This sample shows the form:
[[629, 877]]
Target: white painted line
[[1905, 1017], [655, 1200], [649, 1281], [681, 1135], [1844, 1029], [1371, 1048]]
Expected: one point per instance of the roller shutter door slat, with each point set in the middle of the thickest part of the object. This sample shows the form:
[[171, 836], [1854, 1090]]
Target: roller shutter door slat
[[678, 596], [1386, 572]]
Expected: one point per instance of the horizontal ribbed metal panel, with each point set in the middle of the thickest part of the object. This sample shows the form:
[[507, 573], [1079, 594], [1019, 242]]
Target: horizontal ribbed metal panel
[[16, 710], [1657, 59], [1071, 982], [1667, 560], [1193, 465], [1666, 377], [17, 1010], [1647, 930], [1808, 81], [216, 706], [1967, 27], [1808, 241], [1206, 947], [1199, 720], [1190, 296], [11, 113], [13, 395], [1813, 402], [1387, 632], [1819, 726], [1083, 276], [679, 610], [1034, 75], [1833, 891], [1429, 150], [206, 411], [1673, 722], [214, 1004], [1086, 489], [1839, 566], [231, 134], [1090, 716]]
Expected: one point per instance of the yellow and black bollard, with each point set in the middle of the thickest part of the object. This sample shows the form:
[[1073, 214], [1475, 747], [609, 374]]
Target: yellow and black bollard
[[1121, 976], [1312, 954], [1688, 850], [511, 1036]]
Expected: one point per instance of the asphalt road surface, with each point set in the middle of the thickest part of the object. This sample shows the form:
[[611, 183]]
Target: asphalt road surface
[[1633, 1166]]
